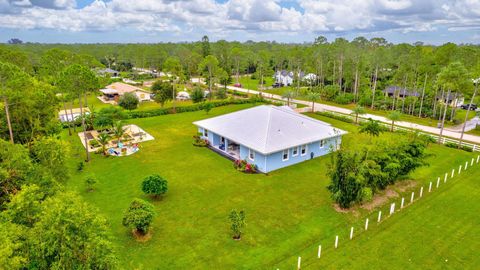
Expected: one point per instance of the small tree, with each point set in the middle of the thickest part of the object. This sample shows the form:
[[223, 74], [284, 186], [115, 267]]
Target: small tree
[[207, 107], [372, 128], [289, 95], [155, 185], [197, 95], [393, 116], [119, 131], [313, 96], [90, 182], [237, 218], [358, 110], [129, 101], [103, 139], [139, 216], [162, 91]]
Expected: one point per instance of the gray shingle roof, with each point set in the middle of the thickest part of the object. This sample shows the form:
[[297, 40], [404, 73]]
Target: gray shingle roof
[[269, 129]]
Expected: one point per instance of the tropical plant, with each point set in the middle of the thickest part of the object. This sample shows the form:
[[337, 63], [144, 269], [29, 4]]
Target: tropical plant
[[393, 116], [237, 220], [90, 182], [289, 95], [313, 96], [118, 131], [103, 139], [358, 110], [371, 127]]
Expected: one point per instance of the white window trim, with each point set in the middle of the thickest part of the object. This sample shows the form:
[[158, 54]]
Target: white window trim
[[306, 149], [293, 151], [250, 154], [322, 143], [283, 154]]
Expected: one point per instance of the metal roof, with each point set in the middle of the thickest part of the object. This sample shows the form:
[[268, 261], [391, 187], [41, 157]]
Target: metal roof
[[269, 129]]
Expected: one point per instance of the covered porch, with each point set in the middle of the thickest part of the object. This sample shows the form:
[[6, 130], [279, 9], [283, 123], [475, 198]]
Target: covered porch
[[226, 147]]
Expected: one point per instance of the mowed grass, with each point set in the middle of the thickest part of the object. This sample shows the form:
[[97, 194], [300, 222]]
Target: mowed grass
[[287, 211]]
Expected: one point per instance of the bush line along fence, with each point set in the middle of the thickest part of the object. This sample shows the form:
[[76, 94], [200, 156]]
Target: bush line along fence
[[191, 108], [378, 217], [449, 142]]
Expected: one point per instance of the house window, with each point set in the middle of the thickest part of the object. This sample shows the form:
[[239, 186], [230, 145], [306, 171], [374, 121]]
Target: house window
[[222, 140], [205, 132], [322, 143], [303, 149], [251, 154], [285, 155], [295, 151]]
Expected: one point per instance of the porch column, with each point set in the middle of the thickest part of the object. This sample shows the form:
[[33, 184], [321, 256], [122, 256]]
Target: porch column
[[226, 144]]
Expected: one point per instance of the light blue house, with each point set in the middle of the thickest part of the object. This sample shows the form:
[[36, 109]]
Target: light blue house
[[270, 137]]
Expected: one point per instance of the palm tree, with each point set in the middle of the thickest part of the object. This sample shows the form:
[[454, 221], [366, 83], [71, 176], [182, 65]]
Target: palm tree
[[358, 110], [288, 95], [372, 128], [119, 131], [393, 116], [103, 139], [313, 96]]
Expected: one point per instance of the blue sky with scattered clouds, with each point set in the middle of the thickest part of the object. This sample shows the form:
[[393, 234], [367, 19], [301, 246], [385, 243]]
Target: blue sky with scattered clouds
[[137, 21]]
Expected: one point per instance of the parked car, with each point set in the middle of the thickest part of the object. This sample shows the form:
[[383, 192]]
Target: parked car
[[239, 85], [473, 107], [277, 85]]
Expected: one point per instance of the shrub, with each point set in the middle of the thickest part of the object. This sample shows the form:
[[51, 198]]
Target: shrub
[[207, 107], [90, 182], [154, 185], [221, 93], [199, 141], [197, 95], [128, 101], [80, 166], [237, 219], [244, 166], [344, 99], [342, 118], [139, 216]]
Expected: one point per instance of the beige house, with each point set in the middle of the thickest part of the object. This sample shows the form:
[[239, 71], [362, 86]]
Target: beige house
[[114, 91]]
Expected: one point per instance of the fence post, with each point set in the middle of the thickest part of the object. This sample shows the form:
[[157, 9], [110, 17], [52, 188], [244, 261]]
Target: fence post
[[438, 182], [466, 164], [453, 173], [379, 216], [403, 201], [413, 196], [351, 233], [319, 251], [445, 178], [430, 187], [392, 208], [421, 191], [471, 163], [366, 224], [459, 169], [336, 241], [299, 263], [478, 158]]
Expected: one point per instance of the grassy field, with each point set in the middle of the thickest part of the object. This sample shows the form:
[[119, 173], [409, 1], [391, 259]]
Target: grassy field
[[288, 211], [249, 83]]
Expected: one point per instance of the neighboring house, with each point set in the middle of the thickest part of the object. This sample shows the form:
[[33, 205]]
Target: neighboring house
[[66, 116], [285, 78], [399, 91], [108, 71], [270, 137], [115, 90], [454, 99]]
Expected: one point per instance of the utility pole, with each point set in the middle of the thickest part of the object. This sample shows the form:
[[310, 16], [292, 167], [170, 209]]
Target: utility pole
[[5, 101]]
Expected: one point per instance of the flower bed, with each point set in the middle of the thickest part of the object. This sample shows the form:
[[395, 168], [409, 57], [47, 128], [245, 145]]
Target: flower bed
[[244, 166]]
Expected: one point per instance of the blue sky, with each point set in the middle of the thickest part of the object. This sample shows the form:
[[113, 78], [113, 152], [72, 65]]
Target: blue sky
[[138, 21]]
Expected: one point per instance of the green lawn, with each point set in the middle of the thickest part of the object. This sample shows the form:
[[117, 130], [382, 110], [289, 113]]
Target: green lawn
[[288, 211], [253, 84]]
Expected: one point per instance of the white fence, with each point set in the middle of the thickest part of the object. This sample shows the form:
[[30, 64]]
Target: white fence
[[392, 210], [443, 140]]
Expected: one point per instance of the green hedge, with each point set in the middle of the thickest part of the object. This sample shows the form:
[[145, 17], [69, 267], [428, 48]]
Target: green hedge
[[190, 108], [342, 118]]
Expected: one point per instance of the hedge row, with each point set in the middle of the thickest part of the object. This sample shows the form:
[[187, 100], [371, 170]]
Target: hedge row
[[342, 118], [190, 108]]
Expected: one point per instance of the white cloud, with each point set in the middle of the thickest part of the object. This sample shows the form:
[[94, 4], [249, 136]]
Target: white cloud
[[250, 16]]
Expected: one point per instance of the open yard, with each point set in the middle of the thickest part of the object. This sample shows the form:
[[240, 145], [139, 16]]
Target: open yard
[[288, 212]]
